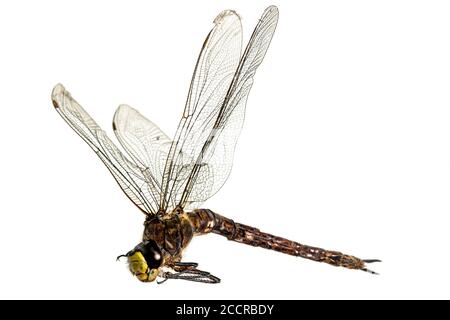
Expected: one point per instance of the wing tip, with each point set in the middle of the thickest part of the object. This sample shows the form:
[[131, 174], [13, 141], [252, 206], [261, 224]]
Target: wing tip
[[120, 108], [123, 106], [56, 92], [59, 88], [273, 8], [225, 13]]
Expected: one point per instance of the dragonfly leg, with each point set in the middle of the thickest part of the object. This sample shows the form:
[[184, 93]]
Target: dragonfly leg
[[188, 265], [189, 271]]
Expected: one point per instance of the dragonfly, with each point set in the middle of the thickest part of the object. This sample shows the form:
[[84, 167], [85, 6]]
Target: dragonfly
[[169, 179]]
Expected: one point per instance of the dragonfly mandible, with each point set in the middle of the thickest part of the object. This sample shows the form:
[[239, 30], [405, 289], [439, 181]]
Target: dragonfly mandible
[[168, 180]]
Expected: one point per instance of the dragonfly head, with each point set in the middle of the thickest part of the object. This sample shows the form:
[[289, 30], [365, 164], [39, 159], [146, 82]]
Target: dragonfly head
[[145, 260]]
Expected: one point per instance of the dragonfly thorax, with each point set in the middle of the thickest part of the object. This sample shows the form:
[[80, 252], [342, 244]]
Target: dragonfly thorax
[[172, 233]]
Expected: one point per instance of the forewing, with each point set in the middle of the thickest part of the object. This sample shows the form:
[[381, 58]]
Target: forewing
[[214, 161], [128, 175], [213, 74]]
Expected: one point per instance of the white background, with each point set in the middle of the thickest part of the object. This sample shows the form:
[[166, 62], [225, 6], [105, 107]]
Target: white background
[[346, 146]]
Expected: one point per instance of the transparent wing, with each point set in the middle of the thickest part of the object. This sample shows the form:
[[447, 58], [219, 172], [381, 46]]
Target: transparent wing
[[217, 128], [146, 144], [132, 178], [218, 150], [213, 74], [143, 140]]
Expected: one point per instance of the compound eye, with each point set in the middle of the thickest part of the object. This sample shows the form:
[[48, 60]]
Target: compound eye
[[152, 254]]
